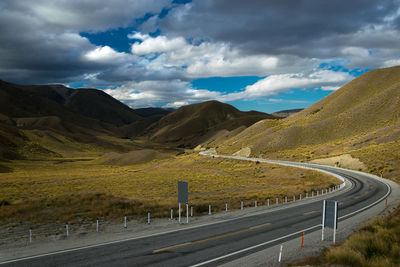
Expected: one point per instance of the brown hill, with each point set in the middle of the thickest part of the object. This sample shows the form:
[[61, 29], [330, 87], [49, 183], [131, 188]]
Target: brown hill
[[195, 124], [362, 118], [55, 119]]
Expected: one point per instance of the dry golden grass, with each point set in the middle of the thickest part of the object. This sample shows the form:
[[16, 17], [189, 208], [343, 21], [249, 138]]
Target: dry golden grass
[[376, 244], [69, 189]]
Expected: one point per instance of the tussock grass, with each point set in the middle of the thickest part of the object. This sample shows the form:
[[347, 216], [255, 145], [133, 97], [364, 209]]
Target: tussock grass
[[376, 244], [60, 190]]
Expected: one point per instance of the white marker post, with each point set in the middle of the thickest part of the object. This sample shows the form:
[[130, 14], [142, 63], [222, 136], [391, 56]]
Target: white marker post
[[179, 212], [187, 213], [277, 201], [172, 214], [241, 205], [209, 209], [285, 199], [97, 225], [148, 218], [226, 207], [268, 202], [294, 198], [312, 193], [307, 195], [124, 221], [30, 235], [323, 219], [280, 253], [66, 227], [334, 223], [255, 203], [300, 197], [191, 211]]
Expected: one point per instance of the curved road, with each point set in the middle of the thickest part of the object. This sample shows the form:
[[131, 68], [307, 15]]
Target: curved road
[[218, 243]]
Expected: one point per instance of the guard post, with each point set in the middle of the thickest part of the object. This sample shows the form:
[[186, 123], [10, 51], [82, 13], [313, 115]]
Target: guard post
[[183, 198], [330, 217]]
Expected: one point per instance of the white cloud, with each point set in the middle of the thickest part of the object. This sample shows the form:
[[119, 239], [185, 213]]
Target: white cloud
[[355, 51], [176, 104], [391, 63], [106, 54], [157, 44]]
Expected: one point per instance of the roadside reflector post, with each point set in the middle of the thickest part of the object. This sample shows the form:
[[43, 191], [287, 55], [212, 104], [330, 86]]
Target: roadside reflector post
[[209, 209], [187, 213], [302, 241], [179, 212], [124, 221], [285, 199], [323, 218], [268, 202], [307, 195], [277, 201], [312, 193], [241, 204], [148, 218], [386, 204], [67, 228], [226, 207], [172, 214], [255, 203], [294, 198], [280, 253], [30, 235], [300, 197], [191, 211], [97, 225]]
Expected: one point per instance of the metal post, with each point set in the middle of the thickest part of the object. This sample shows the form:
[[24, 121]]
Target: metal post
[[125, 221], [148, 218], [30, 235], [226, 207], [179, 212], [66, 227], [191, 211], [172, 214], [334, 223], [294, 198], [97, 225], [280, 253], [323, 218], [209, 209], [300, 197], [285, 199], [277, 201], [268, 202], [187, 213], [255, 203], [241, 205], [307, 195]]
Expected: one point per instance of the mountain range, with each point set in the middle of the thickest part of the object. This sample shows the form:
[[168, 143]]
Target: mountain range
[[54, 120]]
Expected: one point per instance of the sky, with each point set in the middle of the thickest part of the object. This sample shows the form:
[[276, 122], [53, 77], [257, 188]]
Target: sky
[[256, 55]]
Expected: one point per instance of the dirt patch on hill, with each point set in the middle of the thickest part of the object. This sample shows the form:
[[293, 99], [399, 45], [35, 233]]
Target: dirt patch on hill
[[132, 157], [244, 152], [344, 161]]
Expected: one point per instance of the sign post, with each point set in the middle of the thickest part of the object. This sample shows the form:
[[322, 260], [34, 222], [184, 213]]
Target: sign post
[[330, 217], [183, 198]]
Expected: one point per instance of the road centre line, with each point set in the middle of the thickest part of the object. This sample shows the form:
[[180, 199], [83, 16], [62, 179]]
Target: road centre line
[[210, 238]]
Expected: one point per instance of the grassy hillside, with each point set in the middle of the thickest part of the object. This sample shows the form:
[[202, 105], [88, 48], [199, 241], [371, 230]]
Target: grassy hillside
[[193, 124], [361, 119]]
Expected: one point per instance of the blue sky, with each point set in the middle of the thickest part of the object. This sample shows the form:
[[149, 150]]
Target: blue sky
[[172, 53]]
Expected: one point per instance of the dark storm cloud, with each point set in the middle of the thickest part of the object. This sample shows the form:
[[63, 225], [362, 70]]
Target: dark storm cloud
[[300, 27], [40, 41]]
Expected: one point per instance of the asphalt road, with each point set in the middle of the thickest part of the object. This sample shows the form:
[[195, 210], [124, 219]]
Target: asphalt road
[[222, 242]]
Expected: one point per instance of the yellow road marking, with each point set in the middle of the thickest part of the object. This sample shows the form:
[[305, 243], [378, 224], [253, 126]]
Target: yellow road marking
[[312, 212], [210, 238], [360, 196]]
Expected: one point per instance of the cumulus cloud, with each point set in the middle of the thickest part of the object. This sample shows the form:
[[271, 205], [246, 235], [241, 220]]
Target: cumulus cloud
[[177, 93]]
